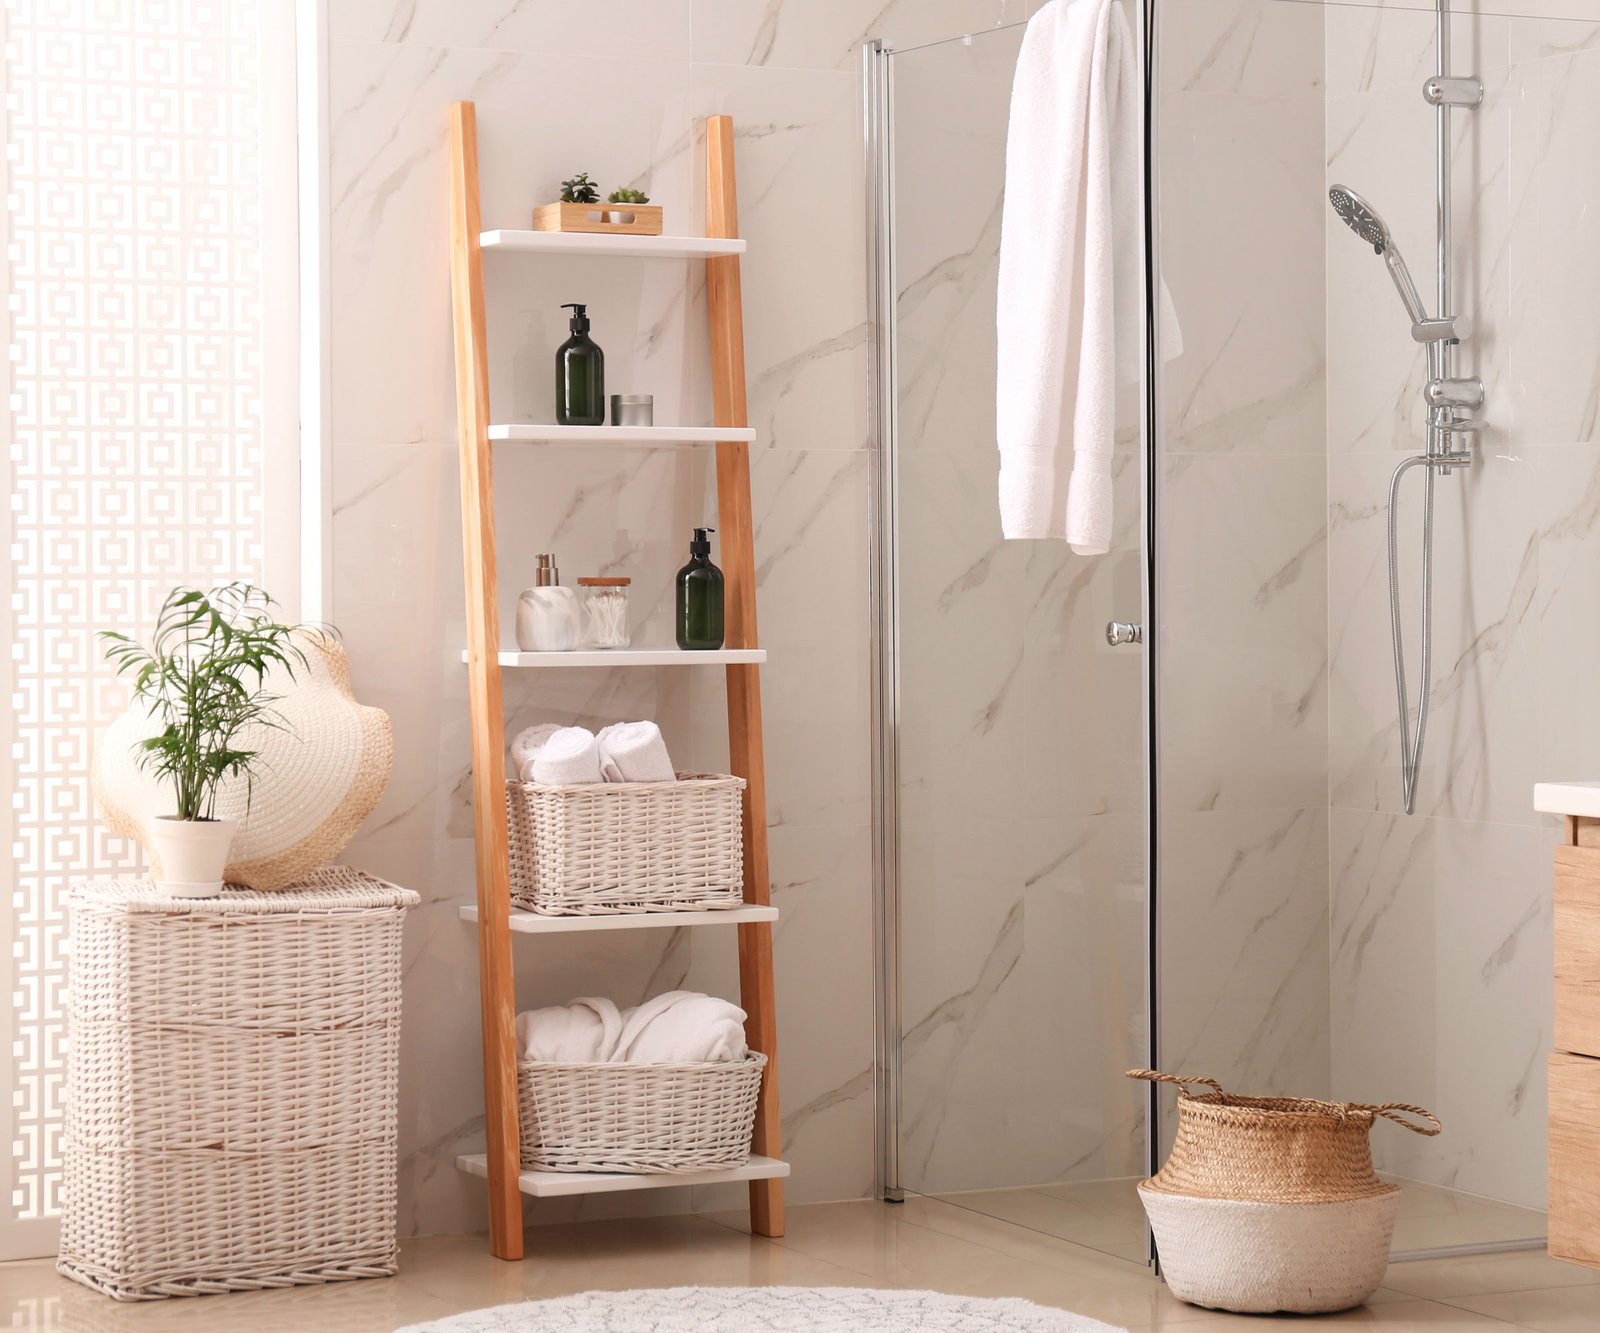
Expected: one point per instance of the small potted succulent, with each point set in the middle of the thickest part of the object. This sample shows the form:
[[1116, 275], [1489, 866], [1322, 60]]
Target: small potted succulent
[[624, 195], [202, 678], [580, 190]]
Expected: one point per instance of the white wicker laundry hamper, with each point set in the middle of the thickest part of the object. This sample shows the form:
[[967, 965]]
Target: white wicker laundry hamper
[[232, 1079]]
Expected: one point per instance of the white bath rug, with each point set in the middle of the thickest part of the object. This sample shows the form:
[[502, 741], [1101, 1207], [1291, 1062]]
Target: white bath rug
[[766, 1310]]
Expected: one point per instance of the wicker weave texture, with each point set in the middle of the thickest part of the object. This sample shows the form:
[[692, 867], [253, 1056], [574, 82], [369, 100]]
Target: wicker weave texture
[[614, 847], [638, 1118], [143, 1224], [1273, 1149], [1258, 1258], [232, 1084]]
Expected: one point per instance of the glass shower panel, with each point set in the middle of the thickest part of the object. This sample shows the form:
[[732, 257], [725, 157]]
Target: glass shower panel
[[1315, 939], [1021, 740]]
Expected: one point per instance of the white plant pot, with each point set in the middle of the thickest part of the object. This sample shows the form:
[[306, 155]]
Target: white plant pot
[[193, 853]]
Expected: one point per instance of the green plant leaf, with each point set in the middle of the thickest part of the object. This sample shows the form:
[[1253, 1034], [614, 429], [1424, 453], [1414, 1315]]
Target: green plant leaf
[[202, 678]]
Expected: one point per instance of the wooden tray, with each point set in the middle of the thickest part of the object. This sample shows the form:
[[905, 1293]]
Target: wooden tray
[[642, 219]]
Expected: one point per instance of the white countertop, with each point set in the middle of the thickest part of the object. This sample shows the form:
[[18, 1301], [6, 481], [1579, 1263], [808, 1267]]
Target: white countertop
[[1567, 798]]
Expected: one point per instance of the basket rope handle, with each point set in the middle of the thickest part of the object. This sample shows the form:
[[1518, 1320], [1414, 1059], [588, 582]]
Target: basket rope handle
[[1393, 1111], [1181, 1080]]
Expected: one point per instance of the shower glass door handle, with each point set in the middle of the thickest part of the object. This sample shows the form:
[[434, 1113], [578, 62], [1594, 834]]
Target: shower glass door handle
[[1119, 632]]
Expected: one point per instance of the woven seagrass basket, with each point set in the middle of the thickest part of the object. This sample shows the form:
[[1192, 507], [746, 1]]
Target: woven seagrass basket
[[601, 848], [1271, 1203], [638, 1118]]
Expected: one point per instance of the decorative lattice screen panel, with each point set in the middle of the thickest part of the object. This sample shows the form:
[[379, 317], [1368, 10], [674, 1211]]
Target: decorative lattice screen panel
[[134, 406]]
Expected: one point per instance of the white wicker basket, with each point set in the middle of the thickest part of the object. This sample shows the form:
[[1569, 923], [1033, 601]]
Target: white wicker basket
[[612, 847], [232, 1075], [638, 1119]]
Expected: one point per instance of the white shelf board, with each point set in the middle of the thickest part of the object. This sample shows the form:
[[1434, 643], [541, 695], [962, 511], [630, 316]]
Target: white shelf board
[[531, 923], [542, 434], [553, 1184], [586, 243], [634, 657]]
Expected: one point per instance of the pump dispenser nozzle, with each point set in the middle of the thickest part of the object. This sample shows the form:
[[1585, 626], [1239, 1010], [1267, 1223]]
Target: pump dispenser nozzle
[[580, 317], [701, 545]]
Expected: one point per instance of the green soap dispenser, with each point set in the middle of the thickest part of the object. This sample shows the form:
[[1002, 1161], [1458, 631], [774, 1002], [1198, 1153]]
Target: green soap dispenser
[[580, 375], [700, 597]]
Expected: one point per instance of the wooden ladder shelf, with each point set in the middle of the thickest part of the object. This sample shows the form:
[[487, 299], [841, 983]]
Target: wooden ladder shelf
[[493, 915]]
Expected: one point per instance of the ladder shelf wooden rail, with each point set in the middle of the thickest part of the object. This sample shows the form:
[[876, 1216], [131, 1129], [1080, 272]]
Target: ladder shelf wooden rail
[[720, 249]]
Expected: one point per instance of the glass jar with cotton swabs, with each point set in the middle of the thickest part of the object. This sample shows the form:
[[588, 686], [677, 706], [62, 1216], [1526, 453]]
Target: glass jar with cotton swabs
[[605, 612]]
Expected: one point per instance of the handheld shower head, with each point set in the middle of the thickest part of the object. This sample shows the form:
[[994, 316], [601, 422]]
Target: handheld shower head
[[1360, 216], [1363, 219]]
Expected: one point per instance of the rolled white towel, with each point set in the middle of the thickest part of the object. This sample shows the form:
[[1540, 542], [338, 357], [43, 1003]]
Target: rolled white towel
[[634, 752], [571, 756], [583, 1032], [527, 743], [682, 1027]]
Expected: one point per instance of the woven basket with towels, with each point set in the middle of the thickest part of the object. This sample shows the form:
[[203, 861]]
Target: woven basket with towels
[[1271, 1203]]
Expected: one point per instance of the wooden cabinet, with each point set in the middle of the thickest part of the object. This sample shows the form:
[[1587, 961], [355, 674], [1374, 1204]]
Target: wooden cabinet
[[1577, 933], [1575, 1159], [1574, 1066]]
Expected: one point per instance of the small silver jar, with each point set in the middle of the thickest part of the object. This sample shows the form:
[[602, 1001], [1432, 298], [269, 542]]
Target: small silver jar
[[633, 409]]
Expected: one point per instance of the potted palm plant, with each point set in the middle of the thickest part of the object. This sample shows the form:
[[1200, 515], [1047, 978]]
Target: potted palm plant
[[202, 678]]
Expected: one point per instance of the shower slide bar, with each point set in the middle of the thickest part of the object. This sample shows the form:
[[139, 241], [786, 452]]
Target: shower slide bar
[[1449, 397]]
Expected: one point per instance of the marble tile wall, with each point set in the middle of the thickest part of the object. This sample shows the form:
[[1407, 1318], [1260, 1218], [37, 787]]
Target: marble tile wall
[[617, 88], [1441, 922]]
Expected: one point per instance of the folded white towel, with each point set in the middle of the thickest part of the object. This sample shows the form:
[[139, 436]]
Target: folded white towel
[[634, 752], [583, 1032], [570, 756], [1069, 327], [682, 1027], [527, 743]]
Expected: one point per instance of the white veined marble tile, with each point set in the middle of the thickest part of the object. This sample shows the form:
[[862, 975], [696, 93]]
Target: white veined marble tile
[[1245, 949], [1245, 659], [658, 30], [1556, 249], [1568, 478], [1253, 48], [1242, 221], [827, 34], [1440, 986]]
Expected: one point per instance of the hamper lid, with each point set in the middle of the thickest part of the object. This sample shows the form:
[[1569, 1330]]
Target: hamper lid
[[331, 889]]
